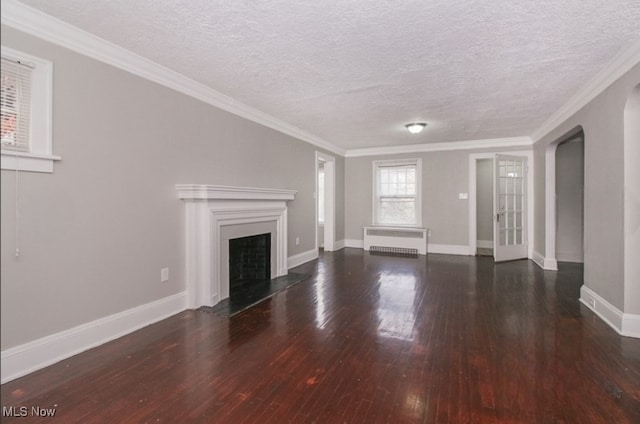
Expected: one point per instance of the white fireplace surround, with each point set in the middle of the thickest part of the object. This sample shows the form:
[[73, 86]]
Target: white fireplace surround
[[211, 207]]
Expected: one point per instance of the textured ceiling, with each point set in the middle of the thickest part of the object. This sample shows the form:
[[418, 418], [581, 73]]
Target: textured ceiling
[[354, 72]]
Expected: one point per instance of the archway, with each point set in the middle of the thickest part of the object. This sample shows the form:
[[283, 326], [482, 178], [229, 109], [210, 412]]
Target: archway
[[570, 200], [550, 258]]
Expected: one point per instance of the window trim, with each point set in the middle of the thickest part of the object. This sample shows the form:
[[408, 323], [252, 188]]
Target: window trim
[[40, 157], [377, 164]]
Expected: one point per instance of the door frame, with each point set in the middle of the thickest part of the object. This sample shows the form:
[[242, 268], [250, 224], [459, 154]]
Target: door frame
[[473, 223], [329, 200]]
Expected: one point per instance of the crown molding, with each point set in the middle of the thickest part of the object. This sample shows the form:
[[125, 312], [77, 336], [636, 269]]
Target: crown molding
[[627, 58], [48, 28], [441, 147]]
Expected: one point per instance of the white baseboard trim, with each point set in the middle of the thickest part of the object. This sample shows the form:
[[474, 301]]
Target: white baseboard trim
[[485, 244], [538, 259], [544, 263], [550, 264], [605, 310], [564, 256], [631, 325], [624, 324], [340, 244], [448, 249], [32, 356], [357, 244], [302, 258]]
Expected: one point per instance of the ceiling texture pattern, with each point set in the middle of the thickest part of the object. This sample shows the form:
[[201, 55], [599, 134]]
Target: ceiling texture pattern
[[353, 73]]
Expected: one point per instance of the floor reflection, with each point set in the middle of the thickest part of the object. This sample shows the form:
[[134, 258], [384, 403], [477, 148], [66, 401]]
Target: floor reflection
[[396, 305], [321, 309]]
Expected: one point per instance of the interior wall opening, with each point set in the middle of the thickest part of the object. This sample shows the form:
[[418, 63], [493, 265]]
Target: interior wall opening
[[325, 173], [484, 207], [569, 189], [321, 204]]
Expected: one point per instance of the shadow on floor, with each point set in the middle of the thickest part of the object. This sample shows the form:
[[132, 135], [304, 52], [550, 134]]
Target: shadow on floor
[[253, 292]]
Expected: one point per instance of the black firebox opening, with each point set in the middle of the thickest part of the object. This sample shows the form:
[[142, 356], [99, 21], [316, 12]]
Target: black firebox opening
[[249, 261]]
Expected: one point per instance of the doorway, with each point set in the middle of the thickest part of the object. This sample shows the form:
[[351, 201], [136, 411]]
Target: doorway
[[550, 260], [484, 207], [325, 202], [501, 206], [570, 200]]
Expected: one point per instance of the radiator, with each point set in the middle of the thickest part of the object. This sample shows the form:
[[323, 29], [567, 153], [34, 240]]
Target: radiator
[[387, 238]]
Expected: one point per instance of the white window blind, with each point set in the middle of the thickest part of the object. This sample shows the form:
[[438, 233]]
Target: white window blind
[[15, 105], [397, 194]]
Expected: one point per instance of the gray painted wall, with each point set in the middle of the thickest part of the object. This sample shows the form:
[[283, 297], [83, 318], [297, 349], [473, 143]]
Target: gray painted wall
[[484, 199], [444, 175], [632, 202], [602, 120], [95, 233], [569, 204]]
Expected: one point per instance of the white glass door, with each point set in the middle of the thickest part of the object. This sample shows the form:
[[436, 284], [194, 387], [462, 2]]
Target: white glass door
[[510, 210]]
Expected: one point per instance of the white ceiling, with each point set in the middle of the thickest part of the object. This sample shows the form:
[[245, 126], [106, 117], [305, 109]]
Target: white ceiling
[[353, 73]]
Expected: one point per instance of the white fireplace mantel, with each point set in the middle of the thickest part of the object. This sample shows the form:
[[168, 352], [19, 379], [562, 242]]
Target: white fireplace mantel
[[209, 208], [220, 192]]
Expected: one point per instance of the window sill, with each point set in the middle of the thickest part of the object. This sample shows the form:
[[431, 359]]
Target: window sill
[[30, 162]]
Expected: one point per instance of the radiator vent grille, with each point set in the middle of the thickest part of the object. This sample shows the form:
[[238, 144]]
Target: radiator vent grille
[[396, 240], [395, 233], [393, 251]]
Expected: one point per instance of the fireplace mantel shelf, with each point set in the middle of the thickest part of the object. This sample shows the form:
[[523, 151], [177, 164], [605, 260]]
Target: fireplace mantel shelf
[[220, 192]]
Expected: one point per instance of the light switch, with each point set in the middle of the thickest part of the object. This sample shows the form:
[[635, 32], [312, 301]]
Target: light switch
[[164, 275], [463, 196]]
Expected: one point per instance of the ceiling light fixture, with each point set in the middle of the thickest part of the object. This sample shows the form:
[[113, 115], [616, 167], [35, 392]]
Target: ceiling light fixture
[[416, 127]]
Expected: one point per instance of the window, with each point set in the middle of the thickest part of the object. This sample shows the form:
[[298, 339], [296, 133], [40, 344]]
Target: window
[[321, 196], [25, 112], [397, 192]]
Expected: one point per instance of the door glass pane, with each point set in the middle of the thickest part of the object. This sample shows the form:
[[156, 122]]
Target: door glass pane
[[519, 237]]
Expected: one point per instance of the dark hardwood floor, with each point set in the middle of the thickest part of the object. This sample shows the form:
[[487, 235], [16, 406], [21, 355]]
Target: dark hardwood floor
[[442, 339]]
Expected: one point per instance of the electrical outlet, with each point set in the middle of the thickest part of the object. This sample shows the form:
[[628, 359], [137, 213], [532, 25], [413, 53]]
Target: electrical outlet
[[463, 196], [297, 241], [164, 275], [592, 302]]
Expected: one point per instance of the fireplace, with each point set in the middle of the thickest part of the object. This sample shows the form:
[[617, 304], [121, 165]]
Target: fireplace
[[217, 214], [249, 261]]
